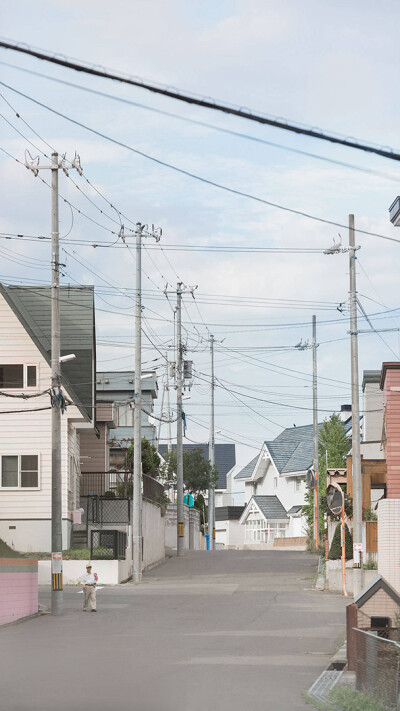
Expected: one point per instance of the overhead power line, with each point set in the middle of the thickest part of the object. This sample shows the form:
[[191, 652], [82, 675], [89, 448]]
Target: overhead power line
[[248, 114], [204, 124], [187, 173]]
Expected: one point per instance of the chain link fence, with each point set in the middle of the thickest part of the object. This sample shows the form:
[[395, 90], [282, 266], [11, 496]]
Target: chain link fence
[[103, 512], [107, 545], [377, 665]]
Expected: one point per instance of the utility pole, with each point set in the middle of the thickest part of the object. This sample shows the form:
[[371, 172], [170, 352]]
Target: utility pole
[[179, 425], [168, 408], [56, 486], [315, 433], [140, 232], [137, 420], [355, 408], [211, 454], [57, 399]]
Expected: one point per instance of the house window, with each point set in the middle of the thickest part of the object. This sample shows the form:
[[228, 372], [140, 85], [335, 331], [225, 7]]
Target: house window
[[297, 484], [20, 471], [18, 376], [125, 415], [275, 482]]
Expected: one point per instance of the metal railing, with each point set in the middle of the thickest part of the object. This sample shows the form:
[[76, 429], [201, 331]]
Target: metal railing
[[111, 483], [377, 666], [118, 485], [107, 545]]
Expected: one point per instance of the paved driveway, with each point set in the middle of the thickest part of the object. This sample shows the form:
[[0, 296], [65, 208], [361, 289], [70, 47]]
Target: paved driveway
[[223, 630]]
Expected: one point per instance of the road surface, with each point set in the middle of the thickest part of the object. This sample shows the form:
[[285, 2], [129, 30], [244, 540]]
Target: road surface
[[212, 631]]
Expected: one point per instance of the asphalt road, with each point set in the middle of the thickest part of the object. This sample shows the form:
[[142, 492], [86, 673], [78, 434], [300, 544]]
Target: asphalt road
[[223, 631]]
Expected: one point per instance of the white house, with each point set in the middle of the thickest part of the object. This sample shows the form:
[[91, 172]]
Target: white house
[[275, 490], [25, 412]]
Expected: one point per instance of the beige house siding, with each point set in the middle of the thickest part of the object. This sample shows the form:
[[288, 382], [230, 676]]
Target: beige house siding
[[94, 450], [30, 433], [379, 605]]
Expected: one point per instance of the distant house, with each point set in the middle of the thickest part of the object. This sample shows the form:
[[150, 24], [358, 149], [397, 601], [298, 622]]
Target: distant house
[[118, 389], [275, 487], [225, 460], [25, 431]]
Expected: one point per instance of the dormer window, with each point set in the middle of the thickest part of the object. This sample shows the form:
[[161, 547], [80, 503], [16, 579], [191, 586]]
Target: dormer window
[[17, 376]]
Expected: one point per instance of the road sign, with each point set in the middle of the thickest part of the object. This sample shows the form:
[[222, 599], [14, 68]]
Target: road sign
[[334, 499], [188, 500], [357, 547], [310, 479]]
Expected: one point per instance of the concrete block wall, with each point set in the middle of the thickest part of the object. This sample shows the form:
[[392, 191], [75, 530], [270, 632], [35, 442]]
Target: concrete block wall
[[18, 588], [389, 541]]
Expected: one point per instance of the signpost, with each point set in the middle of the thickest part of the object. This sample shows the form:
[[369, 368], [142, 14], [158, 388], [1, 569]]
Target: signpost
[[335, 501], [188, 499]]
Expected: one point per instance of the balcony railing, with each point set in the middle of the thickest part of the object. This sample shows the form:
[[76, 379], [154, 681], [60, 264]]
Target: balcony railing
[[119, 485]]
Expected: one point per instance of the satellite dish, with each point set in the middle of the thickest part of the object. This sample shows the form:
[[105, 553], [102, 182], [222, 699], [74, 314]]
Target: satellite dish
[[334, 499], [310, 479]]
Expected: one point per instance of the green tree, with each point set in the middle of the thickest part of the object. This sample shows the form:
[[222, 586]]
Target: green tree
[[151, 460], [335, 551], [333, 440], [151, 465], [198, 474]]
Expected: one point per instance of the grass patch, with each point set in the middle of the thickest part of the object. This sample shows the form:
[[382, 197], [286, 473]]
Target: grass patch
[[317, 704], [351, 700], [7, 552]]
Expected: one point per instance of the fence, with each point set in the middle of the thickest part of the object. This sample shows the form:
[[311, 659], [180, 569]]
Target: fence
[[105, 511], [118, 485], [377, 666], [113, 483], [107, 545]]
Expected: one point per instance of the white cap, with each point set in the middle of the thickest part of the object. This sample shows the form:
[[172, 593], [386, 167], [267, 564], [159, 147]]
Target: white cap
[[89, 565]]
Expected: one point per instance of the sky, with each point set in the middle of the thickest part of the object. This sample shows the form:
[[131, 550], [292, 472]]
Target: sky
[[329, 65]]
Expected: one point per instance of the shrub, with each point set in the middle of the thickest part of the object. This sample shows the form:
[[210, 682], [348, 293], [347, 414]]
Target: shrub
[[370, 515], [335, 552]]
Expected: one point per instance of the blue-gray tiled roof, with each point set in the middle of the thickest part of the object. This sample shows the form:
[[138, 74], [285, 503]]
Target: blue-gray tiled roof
[[247, 471], [225, 458], [270, 507], [292, 450]]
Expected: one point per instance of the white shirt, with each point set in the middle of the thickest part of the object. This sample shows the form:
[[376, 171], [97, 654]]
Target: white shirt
[[88, 579]]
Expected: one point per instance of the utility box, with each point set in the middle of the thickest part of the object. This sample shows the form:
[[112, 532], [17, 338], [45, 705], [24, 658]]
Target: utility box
[[77, 516], [187, 369]]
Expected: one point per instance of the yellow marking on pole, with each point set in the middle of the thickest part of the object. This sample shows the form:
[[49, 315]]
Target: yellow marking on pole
[[181, 530]]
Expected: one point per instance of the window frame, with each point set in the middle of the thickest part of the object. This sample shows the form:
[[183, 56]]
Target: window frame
[[19, 455], [25, 385]]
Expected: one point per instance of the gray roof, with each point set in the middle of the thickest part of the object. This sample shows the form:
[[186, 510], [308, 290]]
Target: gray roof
[[228, 513], [116, 384], [295, 510], [32, 306], [270, 507], [225, 458], [292, 450], [247, 471], [376, 584]]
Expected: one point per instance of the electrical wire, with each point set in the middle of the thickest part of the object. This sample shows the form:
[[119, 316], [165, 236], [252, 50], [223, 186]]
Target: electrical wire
[[204, 124], [189, 174], [192, 99]]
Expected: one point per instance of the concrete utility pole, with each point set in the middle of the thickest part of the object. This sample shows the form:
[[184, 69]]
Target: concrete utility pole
[[57, 399], [355, 407], [315, 433], [56, 487], [137, 420], [140, 232], [211, 454], [179, 425]]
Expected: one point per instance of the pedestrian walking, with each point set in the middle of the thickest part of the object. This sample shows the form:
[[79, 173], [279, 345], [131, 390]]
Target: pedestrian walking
[[89, 582]]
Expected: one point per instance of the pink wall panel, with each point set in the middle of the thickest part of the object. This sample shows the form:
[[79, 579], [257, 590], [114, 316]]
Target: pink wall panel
[[18, 589]]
